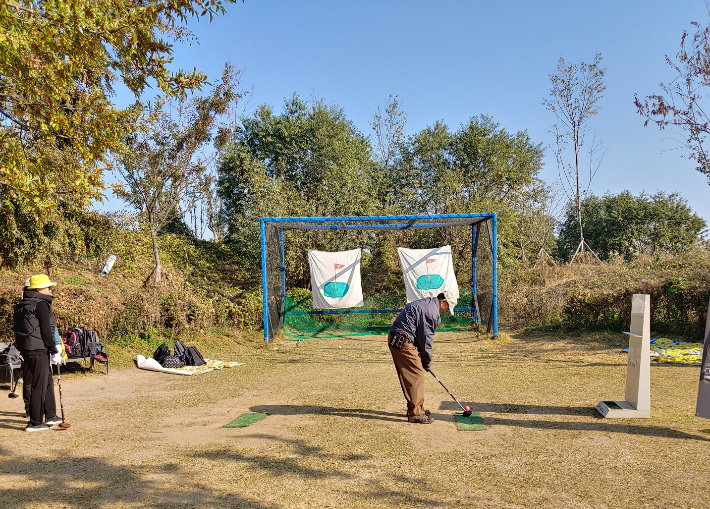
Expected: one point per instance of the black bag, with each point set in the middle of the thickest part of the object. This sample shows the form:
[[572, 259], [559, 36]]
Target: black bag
[[193, 357], [91, 345], [87, 343], [172, 361], [161, 353], [78, 349], [180, 350], [10, 355]]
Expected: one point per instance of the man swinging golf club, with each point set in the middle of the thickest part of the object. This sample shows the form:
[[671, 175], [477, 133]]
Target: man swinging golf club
[[410, 339]]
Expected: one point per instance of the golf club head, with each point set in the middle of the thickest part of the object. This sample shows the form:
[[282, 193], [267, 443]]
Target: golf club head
[[467, 413], [13, 395], [64, 425]]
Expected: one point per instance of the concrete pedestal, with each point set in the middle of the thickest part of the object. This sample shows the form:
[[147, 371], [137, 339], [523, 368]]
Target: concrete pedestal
[[638, 367]]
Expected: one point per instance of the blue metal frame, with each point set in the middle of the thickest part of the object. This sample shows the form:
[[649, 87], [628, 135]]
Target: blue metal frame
[[264, 287], [301, 223]]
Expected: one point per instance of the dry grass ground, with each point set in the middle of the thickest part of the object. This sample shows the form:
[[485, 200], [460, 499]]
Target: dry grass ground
[[336, 436]]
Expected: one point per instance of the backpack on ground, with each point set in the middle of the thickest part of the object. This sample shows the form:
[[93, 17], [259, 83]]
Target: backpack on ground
[[180, 350], [193, 357], [172, 361], [10, 355], [161, 353]]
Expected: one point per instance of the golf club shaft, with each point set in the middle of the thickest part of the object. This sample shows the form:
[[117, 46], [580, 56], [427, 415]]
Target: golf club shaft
[[447, 390], [59, 383]]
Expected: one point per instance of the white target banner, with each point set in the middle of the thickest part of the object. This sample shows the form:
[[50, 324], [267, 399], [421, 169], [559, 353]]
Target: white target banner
[[428, 272], [335, 279]]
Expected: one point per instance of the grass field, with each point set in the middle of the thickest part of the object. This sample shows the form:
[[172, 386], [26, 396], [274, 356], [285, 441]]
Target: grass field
[[336, 435]]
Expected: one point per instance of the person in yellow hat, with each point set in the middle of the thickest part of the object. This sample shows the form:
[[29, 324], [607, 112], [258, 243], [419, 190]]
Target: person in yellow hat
[[34, 326]]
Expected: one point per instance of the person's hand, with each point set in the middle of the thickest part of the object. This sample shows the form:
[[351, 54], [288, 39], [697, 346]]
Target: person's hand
[[57, 358], [58, 349], [425, 365]]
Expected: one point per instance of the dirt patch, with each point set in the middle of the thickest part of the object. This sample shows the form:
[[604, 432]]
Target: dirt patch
[[336, 435]]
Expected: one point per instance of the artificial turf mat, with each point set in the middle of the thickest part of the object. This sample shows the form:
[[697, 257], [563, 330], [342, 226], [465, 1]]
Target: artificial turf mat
[[474, 422], [245, 420]]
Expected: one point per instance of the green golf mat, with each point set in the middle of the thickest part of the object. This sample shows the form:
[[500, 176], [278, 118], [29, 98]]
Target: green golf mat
[[245, 420], [473, 422]]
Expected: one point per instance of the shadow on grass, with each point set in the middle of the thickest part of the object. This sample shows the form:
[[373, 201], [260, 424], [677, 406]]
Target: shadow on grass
[[83, 481], [314, 463], [359, 413], [598, 423]]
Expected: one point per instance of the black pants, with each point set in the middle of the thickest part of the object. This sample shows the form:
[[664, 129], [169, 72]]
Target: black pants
[[38, 375]]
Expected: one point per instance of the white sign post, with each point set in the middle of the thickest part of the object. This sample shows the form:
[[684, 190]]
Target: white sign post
[[638, 369], [702, 408]]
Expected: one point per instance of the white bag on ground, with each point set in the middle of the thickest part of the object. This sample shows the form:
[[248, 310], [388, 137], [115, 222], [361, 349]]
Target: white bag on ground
[[335, 279], [428, 272]]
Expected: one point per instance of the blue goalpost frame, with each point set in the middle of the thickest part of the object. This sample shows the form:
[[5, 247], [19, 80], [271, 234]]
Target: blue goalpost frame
[[310, 223]]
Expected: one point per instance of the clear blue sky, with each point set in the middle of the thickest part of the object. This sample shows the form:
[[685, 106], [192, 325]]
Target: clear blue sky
[[452, 59]]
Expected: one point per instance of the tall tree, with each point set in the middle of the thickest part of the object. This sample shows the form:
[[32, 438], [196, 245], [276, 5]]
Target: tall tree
[[164, 169], [683, 102], [573, 97], [388, 127], [59, 64]]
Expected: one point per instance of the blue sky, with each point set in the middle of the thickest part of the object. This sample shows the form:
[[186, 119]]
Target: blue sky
[[452, 59]]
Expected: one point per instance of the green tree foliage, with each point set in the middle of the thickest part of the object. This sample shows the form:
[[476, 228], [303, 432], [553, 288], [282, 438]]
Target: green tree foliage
[[165, 167], [310, 160], [683, 102], [628, 225], [481, 167], [59, 64]]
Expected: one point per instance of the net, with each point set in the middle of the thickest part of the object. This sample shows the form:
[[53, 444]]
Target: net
[[285, 242]]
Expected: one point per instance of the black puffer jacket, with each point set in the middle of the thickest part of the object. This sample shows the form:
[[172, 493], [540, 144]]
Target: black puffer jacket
[[34, 322]]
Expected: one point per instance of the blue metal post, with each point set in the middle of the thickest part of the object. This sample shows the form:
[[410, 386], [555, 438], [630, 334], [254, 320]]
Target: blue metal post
[[494, 248], [283, 263], [474, 232], [264, 286]]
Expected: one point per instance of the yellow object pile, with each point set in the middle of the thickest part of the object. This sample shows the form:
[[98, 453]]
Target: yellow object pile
[[672, 351]]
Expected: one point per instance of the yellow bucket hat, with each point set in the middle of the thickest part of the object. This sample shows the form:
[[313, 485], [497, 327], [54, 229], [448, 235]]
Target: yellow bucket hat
[[40, 281]]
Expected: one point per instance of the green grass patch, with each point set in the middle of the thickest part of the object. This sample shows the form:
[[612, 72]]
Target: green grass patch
[[473, 422], [245, 420]]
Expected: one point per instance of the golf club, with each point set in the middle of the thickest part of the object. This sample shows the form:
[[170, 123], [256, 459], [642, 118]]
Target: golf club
[[466, 413], [62, 425], [13, 385]]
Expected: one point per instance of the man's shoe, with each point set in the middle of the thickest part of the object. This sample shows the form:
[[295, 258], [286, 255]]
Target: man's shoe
[[39, 427], [54, 420], [426, 412], [421, 419]]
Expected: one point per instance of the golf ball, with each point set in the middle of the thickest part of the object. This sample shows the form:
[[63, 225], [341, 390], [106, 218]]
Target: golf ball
[[467, 408]]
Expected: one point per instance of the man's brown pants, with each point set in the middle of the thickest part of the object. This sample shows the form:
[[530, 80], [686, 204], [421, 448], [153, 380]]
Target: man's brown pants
[[411, 377]]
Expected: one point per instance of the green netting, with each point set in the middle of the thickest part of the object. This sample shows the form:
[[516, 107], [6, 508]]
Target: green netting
[[297, 327]]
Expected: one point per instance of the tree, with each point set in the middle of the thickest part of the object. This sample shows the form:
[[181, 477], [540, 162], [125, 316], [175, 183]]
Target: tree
[[388, 127], [682, 103], [573, 98], [309, 160], [59, 64], [164, 168], [628, 225]]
